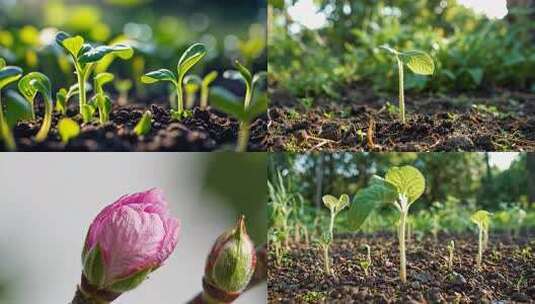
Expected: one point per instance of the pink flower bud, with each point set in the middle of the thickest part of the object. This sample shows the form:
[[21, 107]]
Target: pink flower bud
[[127, 240], [230, 264]]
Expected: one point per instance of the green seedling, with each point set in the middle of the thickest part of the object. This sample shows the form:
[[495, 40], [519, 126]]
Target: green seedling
[[8, 74], [482, 219], [451, 251], [205, 88], [401, 187], [335, 205], [123, 86], [418, 62], [101, 100], [254, 104], [63, 96], [29, 86], [189, 59], [366, 263], [325, 243], [143, 127], [68, 129], [192, 85], [85, 57]]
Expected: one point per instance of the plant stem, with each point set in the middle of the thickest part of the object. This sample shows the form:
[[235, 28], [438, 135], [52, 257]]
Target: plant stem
[[243, 137], [5, 132], [82, 98], [401, 90], [204, 97], [402, 258], [47, 120], [81, 298], [331, 226], [180, 98], [326, 259], [480, 249]]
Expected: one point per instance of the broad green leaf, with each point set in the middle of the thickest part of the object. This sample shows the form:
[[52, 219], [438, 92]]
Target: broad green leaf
[[343, 202], [17, 109], [72, 44], [143, 127], [209, 78], [159, 75], [258, 106], [130, 282], [95, 54], [94, 261], [366, 200], [226, 102], [68, 129], [481, 217], [408, 181], [9, 74], [33, 83], [190, 58], [419, 62]]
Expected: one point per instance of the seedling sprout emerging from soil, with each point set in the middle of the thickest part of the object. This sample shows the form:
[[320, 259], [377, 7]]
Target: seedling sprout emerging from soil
[[85, 57], [29, 86], [8, 74], [365, 264], [482, 219], [324, 243], [402, 186], [143, 127], [335, 205], [192, 85], [451, 251], [419, 62], [189, 59], [101, 100], [205, 87]]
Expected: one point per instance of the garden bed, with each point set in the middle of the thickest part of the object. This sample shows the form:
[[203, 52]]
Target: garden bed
[[362, 121], [507, 275]]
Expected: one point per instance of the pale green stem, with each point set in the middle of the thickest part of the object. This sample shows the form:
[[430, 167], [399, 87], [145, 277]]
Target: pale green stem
[[401, 90], [331, 226], [180, 97], [243, 136], [82, 98], [402, 257], [5, 132], [480, 249], [47, 120], [204, 97], [326, 259]]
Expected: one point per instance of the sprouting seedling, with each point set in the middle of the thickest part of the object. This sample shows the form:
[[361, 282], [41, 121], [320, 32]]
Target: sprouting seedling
[[451, 251], [325, 243], [402, 186], [335, 205], [29, 86], [192, 85], [123, 86], [63, 96], [205, 88], [68, 129], [143, 127], [85, 57], [189, 59], [101, 100], [482, 219], [419, 62], [253, 105], [8, 74], [366, 263]]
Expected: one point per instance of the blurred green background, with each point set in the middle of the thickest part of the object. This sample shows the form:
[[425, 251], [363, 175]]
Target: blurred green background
[[472, 52]]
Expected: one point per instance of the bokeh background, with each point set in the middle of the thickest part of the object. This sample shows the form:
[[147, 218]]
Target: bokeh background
[[49, 200]]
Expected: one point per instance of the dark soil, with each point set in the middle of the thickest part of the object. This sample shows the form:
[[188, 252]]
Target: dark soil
[[361, 121], [507, 275], [205, 130]]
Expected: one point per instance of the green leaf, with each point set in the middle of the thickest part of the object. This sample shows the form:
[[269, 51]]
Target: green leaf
[[481, 217], [9, 74], [228, 103], [245, 73], [259, 77], [94, 263], [130, 282], [73, 45], [17, 109], [88, 111], [336, 204], [2, 63], [408, 181], [258, 106], [33, 83], [330, 201], [209, 78], [68, 129], [366, 200], [143, 127], [419, 62], [61, 101], [95, 54], [101, 79], [159, 75], [190, 58]]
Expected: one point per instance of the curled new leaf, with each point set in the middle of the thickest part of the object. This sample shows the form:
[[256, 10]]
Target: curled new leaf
[[9, 74], [159, 75], [209, 78], [29, 86], [100, 80]]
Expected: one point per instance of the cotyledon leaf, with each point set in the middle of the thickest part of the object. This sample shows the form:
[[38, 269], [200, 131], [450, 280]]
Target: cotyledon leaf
[[419, 62], [72, 44], [95, 54], [159, 75], [189, 58], [408, 180], [9, 74]]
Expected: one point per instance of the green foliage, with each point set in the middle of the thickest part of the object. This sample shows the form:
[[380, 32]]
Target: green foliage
[[8, 74], [205, 87], [68, 129], [32, 84], [101, 101], [335, 205], [144, 125]]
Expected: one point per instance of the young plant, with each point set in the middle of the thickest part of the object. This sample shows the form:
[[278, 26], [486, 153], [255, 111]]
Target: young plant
[[192, 85], [8, 74], [205, 88], [418, 62], [143, 127], [253, 105], [401, 187], [335, 205], [365, 264], [325, 243], [29, 86], [451, 251], [123, 86], [482, 219], [85, 57], [101, 100], [68, 129], [63, 96], [188, 60]]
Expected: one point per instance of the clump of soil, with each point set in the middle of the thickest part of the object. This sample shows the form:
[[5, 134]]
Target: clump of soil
[[365, 122], [507, 274], [205, 130]]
